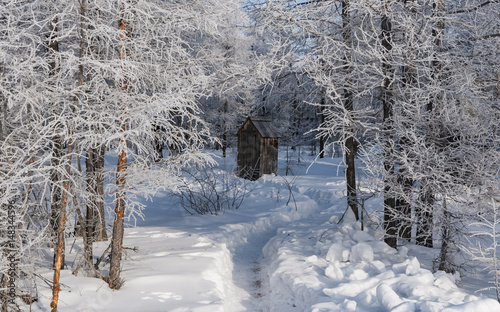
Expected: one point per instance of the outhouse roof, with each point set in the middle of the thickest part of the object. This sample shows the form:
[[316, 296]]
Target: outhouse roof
[[264, 126]]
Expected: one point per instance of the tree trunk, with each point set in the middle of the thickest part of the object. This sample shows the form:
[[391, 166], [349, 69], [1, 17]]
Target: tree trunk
[[61, 165], [444, 261], [403, 205], [3, 109], [117, 238], [322, 120], [351, 177], [390, 223], [424, 217], [100, 230], [425, 224], [158, 144], [405, 183], [224, 130], [59, 251], [114, 280], [4, 294], [89, 226], [56, 192], [224, 144], [97, 194], [57, 151], [350, 144]]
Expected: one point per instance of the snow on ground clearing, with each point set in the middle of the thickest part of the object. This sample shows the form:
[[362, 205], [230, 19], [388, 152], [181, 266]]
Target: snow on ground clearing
[[329, 267], [169, 269], [266, 256]]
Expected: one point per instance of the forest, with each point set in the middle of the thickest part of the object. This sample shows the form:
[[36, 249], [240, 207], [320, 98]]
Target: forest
[[405, 91]]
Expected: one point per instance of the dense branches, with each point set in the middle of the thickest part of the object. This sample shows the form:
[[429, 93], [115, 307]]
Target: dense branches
[[75, 86], [414, 84]]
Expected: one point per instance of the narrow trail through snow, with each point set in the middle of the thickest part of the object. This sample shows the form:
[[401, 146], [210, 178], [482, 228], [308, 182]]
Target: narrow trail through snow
[[248, 273]]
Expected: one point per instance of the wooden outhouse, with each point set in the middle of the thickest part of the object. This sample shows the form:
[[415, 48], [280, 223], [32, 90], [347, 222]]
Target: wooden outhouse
[[257, 148]]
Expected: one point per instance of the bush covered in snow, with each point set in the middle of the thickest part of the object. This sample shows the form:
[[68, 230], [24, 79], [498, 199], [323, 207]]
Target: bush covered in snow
[[211, 191]]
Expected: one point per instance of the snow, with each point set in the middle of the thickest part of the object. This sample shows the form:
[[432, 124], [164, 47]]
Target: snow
[[265, 256]]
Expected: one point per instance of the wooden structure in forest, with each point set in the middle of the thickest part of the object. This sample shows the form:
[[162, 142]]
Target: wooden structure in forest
[[257, 148]]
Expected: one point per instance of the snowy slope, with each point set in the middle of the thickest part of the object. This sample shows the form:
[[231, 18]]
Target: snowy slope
[[265, 256]]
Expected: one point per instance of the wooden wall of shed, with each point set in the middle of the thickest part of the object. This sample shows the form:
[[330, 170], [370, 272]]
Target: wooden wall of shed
[[249, 150], [269, 158]]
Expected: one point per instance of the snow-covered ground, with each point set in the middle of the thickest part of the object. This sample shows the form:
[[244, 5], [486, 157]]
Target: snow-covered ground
[[267, 256]]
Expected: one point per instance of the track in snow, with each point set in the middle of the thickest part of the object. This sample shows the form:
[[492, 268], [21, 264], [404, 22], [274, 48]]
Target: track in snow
[[249, 275]]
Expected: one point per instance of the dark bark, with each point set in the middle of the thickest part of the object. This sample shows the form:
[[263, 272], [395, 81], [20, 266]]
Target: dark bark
[[322, 116], [4, 294], [100, 230], [158, 144], [224, 130], [88, 227], [350, 144], [350, 171], [322, 120], [224, 144], [445, 263], [82, 231], [405, 184], [403, 206], [175, 146], [424, 217], [351, 177]]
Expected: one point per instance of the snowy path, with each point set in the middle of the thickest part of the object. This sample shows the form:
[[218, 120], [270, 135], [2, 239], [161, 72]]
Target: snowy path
[[248, 273], [265, 257], [248, 240]]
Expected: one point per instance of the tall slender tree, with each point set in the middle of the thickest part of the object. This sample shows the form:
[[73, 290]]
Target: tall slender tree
[[117, 239]]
